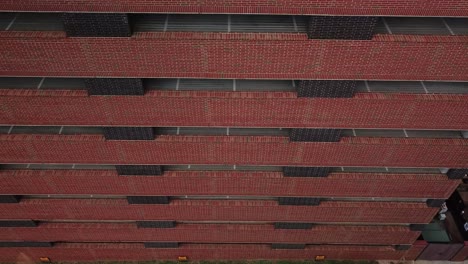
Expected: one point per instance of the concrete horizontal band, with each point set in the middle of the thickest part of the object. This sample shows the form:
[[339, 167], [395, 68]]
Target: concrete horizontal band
[[236, 150], [180, 183], [216, 210], [299, 7], [212, 233], [261, 109], [132, 252], [287, 57]]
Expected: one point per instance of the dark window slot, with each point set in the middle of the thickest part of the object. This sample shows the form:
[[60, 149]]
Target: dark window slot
[[239, 85], [417, 25], [238, 23], [33, 22]]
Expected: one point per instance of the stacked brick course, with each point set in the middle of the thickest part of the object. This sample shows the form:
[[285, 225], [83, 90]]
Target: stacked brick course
[[300, 7], [139, 208]]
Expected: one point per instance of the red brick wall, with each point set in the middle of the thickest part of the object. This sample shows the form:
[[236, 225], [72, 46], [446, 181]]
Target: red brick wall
[[175, 183], [212, 233], [240, 109], [417, 248], [226, 55], [239, 150], [91, 252], [337, 7], [462, 255], [218, 210]]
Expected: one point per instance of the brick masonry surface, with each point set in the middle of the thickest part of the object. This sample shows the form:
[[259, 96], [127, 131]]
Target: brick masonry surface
[[132, 252], [234, 109], [337, 7], [219, 210], [212, 233], [235, 150], [177, 183], [243, 55]]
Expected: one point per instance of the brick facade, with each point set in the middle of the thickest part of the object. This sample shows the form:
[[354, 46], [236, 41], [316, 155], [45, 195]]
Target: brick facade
[[299, 7], [212, 210], [123, 251], [177, 183], [240, 150], [140, 209], [213, 233], [231, 55], [252, 109]]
